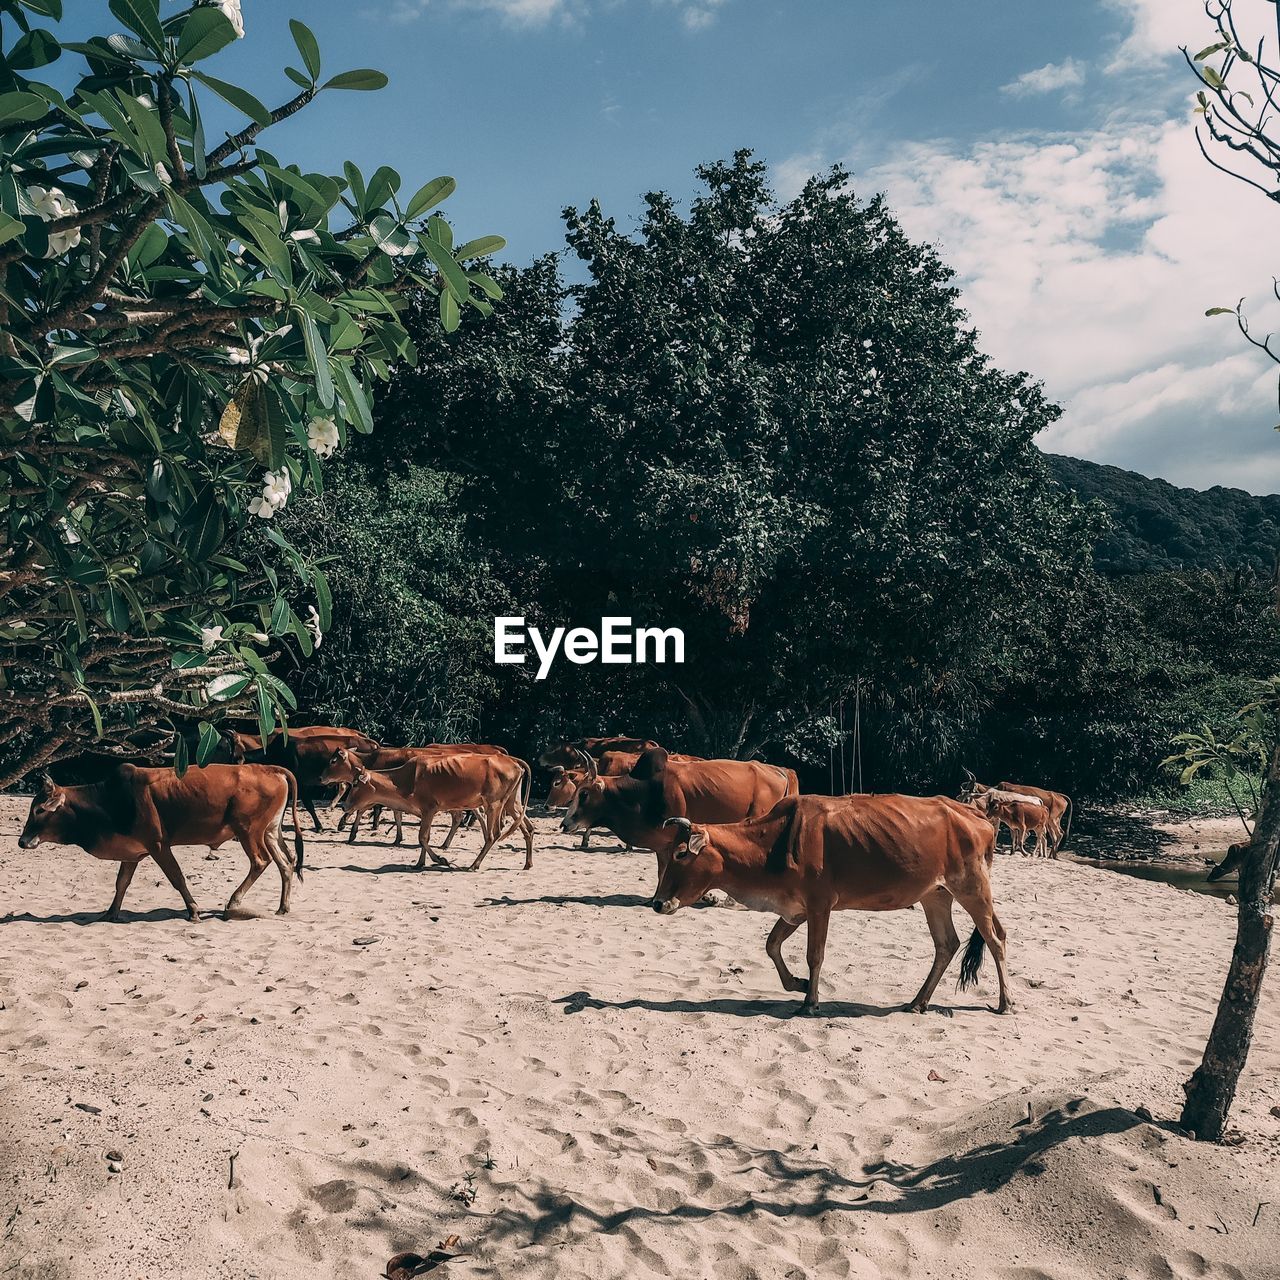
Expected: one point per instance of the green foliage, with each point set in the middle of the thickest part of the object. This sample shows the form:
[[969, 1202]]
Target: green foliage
[[409, 657], [177, 314]]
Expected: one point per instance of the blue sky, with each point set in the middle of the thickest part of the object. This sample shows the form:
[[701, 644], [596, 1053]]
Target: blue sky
[[1046, 149]]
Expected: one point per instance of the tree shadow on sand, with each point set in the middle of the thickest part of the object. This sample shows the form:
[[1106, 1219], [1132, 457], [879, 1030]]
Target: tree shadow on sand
[[804, 1188]]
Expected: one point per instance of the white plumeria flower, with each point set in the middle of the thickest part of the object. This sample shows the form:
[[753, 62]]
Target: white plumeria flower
[[322, 437], [231, 10], [209, 637], [50, 203], [237, 355], [219, 685], [263, 509], [313, 625], [276, 487]]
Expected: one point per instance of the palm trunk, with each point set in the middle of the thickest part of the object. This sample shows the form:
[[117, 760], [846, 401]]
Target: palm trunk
[[1212, 1087]]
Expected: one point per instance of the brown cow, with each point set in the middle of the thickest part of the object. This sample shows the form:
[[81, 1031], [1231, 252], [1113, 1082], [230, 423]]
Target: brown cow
[[566, 753], [142, 813], [1020, 813], [1230, 865], [564, 784], [304, 753], [635, 806], [1058, 805], [812, 855], [496, 786], [390, 758]]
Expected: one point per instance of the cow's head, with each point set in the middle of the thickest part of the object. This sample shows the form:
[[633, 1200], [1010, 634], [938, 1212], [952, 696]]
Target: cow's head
[[237, 749], [972, 788], [1230, 865], [590, 802], [691, 867], [344, 766], [49, 817], [564, 786]]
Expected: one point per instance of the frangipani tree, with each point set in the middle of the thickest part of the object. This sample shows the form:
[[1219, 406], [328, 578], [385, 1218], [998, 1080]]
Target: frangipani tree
[[188, 326]]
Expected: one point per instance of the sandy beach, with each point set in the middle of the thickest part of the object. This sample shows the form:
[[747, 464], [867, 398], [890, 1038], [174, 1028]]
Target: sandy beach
[[537, 1064]]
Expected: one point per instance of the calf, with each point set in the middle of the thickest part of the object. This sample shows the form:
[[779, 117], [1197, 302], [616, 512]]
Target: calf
[[140, 813], [812, 855], [1020, 813], [496, 786]]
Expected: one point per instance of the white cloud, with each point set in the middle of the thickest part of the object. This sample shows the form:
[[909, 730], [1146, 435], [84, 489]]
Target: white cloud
[[1090, 261], [1157, 29], [1051, 78]]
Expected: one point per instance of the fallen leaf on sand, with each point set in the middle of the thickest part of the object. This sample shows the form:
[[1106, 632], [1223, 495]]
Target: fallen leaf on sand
[[936, 1078]]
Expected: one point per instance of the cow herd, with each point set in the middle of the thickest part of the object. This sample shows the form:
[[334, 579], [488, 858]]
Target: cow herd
[[740, 826]]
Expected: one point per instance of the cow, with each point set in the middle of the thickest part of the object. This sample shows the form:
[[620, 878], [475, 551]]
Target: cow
[[567, 753], [496, 786], [140, 813], [389, 758], [304, 753], [1230, 865], [812, 855], [1060, 807], [635, 805], [1020, 813]]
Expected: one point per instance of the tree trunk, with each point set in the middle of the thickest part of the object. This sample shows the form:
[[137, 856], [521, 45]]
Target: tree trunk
[[1212, 1087]]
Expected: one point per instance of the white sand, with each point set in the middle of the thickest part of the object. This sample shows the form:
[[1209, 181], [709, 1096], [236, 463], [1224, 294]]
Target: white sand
[[579, 1088]]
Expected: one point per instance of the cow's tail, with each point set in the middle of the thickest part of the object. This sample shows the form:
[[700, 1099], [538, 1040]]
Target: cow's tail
[[972, 961], [297, 826], [1066, 835]]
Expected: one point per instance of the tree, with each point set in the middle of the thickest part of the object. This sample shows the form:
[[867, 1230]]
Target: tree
[[772, 426], [1236, 124], [187, 326]]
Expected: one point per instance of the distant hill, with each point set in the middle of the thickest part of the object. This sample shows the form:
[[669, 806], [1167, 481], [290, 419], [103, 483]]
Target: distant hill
[[1159, 526]]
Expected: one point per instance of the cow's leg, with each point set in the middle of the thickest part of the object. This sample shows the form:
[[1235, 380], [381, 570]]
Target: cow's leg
[[399, 817], [492, 820], [586, 839], [527, 828], [455, 821], [816, 951], [123, 876], [355, 815], [259, 860], [169, 865], [280, 856], [773, 949], [310, 806], [946, 942], [424, 842], [976, 900]]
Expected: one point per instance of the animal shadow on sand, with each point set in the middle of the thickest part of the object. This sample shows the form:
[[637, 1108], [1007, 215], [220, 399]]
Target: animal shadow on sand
[[800, 1187], [785, 1007], [569, 899], [95, 917]]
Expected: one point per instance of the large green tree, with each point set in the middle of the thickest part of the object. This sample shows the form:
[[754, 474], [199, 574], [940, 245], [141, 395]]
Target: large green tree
[[773, 426], [188, 325]]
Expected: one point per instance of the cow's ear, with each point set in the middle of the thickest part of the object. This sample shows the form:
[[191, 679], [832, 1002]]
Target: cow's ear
[[691, 847], [47, 784]]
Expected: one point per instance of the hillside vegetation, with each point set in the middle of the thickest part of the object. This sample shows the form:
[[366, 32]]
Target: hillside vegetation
[[1157, 526]]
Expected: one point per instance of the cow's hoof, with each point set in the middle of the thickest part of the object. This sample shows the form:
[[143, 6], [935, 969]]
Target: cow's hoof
[[807, 1010], [193, 916], [107, 917], [1003, 1007], [918, 1007], [282, 911]]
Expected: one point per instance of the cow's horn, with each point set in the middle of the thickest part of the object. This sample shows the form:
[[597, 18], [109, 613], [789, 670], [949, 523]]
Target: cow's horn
[[46, 782], [968, 773], [680, 822], [589, 761]]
